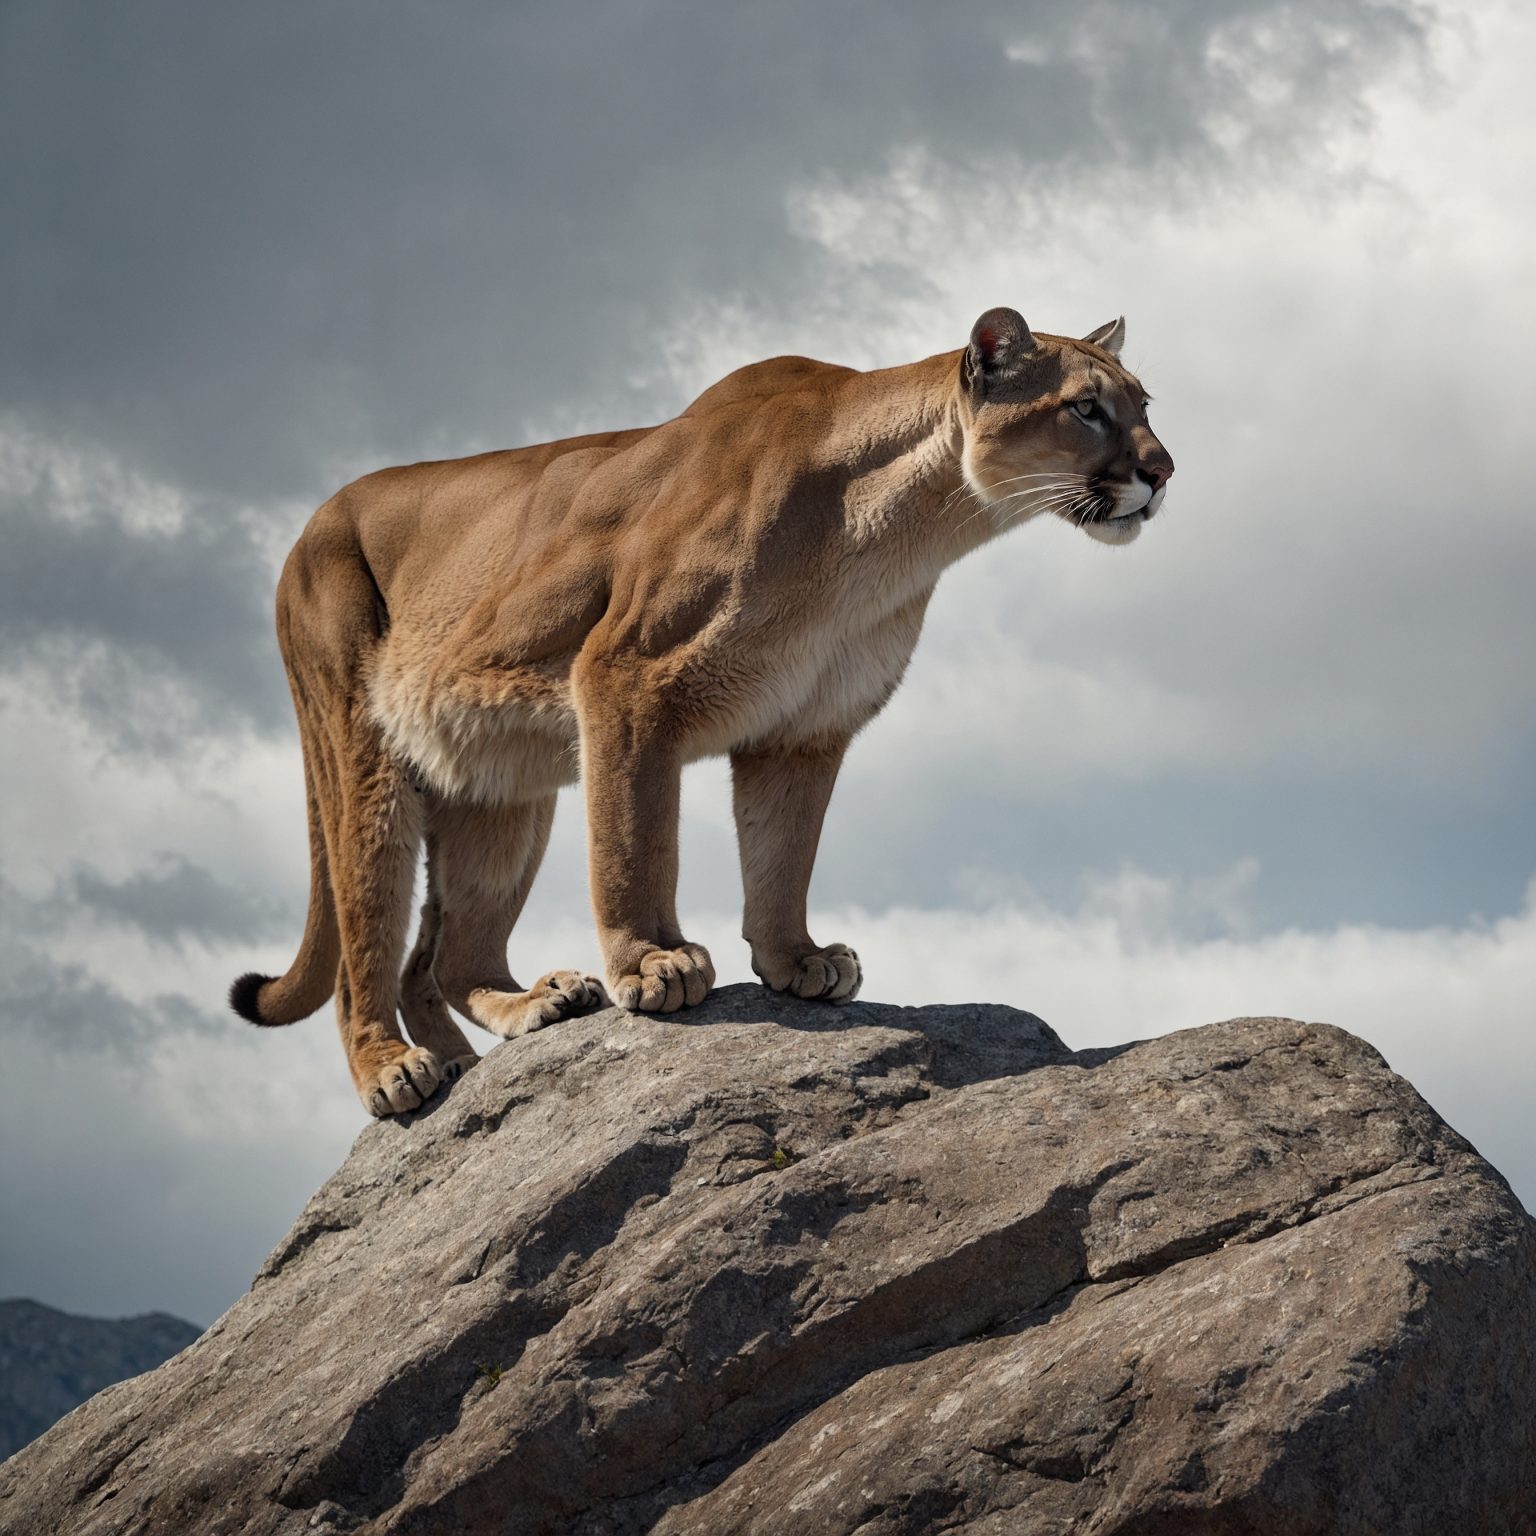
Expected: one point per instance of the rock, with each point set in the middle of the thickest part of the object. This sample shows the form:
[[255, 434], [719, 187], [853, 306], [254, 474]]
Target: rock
[[788, 1268], [51, 1361]]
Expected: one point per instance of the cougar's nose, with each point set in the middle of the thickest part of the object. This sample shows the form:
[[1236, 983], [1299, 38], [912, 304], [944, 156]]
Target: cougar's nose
[[1156, 472]]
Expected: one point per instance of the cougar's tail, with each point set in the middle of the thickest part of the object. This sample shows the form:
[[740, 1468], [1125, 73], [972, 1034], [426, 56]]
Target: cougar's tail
[[310, 980]]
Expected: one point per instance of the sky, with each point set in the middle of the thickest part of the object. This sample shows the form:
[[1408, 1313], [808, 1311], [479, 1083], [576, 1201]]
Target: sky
[[1276, 757]]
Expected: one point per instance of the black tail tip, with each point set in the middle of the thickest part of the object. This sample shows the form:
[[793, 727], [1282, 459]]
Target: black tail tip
[[244, 995]]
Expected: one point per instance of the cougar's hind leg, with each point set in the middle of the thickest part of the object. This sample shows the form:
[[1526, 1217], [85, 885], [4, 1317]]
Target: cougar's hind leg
[[422, 1006], [373, 836], [486, 857]]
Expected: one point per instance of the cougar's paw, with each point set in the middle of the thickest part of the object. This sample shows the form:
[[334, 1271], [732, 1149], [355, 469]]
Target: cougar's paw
[[831, 973], [668, 979], [557, 995], [456, 1066], [402, 1084]]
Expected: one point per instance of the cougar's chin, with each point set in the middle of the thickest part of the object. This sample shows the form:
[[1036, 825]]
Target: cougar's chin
[[1116, 530]]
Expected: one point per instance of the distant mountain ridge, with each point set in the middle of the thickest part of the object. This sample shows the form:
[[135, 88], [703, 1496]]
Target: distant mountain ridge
[[52, 1361]]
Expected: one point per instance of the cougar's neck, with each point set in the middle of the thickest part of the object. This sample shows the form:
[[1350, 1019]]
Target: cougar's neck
[[900, 446]]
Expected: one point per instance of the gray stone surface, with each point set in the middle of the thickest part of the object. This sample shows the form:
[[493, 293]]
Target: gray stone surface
[[787, 1268]]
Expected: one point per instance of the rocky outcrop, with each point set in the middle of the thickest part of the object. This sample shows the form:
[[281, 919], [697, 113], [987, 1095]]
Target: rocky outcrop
[[51, 1361], [784, 1268]]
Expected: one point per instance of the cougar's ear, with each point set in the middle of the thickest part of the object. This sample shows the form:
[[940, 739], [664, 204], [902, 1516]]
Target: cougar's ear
[[1111, 337], [1000, 341]]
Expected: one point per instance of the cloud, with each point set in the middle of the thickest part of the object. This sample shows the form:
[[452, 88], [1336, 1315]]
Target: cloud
[[247, 250], [51, 990], [75, 1012], [172, 901], [147, 610], [1318, 654]]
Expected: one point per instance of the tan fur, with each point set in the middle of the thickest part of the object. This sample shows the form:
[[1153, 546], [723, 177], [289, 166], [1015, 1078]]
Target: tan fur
[[750, 578]]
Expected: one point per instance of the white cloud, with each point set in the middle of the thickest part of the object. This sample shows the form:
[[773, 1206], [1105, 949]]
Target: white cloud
[[233, 806]]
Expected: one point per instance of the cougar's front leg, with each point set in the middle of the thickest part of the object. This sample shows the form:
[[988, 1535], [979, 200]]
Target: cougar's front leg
[[633, 774], [780, 798]]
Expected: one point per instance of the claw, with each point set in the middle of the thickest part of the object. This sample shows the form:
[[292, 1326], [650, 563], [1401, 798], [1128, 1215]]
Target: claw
[[667, 979], [830, 974], [554, 996], [403, 1084]]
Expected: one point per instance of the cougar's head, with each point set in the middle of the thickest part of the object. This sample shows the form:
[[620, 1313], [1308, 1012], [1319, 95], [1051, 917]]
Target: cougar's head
[[1054, 424]]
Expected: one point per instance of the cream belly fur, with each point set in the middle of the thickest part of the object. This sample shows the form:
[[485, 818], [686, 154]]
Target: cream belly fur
[[464, 638], [467, 749], [824, 681]]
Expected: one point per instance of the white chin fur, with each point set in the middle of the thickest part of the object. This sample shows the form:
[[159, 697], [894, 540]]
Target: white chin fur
[[1122, 532]]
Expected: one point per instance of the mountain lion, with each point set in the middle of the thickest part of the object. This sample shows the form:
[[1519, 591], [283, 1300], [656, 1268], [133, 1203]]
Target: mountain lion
[[462, 638]]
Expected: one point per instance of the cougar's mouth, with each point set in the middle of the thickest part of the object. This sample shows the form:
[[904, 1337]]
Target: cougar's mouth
[[1104, 511], [1109, 501]]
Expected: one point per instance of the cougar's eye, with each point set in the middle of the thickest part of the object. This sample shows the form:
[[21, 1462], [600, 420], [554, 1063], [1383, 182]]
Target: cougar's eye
[[1087, 407]]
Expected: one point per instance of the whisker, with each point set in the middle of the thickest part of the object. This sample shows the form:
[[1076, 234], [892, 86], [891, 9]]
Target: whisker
[[1060, 501], [1064, 503], [1037, 490], [955, 497], [1062, 509], [1051, 491], [1041, 490], [1044, 474], [1055, 477]]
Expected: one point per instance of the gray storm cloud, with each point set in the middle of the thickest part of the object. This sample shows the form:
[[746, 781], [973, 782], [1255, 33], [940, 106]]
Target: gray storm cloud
[[155, 633], [246, 248]]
